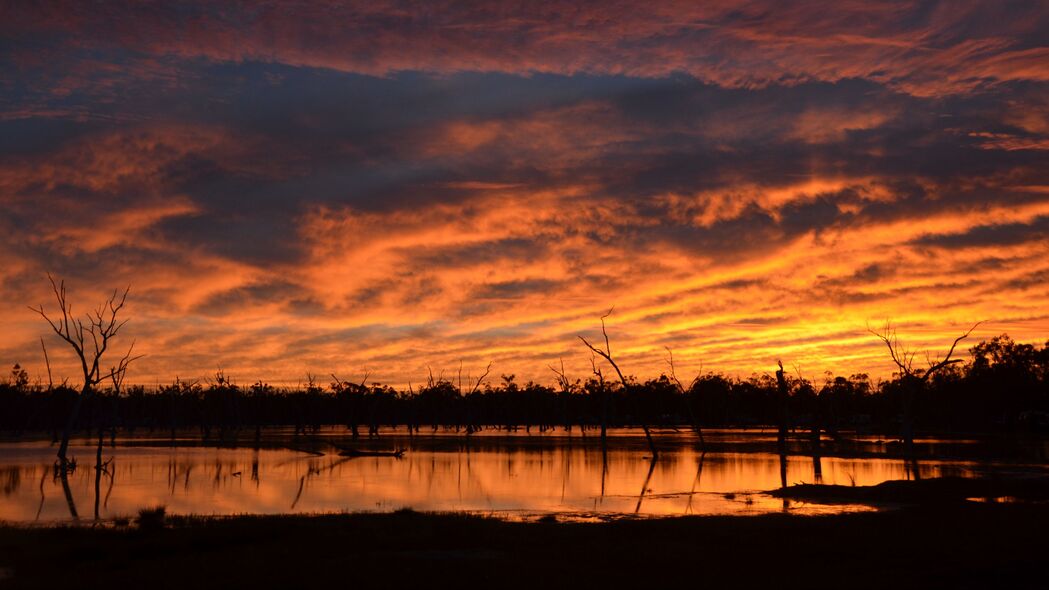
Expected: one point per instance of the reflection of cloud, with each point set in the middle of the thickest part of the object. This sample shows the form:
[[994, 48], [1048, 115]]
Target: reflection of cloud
[[559, 479], [743, 182]]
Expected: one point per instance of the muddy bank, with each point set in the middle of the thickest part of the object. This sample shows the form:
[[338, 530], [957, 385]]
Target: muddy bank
[[957, 546], [924, 492]]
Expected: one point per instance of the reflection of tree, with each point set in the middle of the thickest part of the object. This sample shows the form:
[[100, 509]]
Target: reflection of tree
[[62, 472], [12, 480], [102, 468], [695, 482], [644, 486], [311, 471], [43, 478]]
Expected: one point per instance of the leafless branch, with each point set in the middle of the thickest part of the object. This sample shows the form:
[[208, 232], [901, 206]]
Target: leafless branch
[[102, 325], [947, 359], [608, 347], [117, 373], [673, 373], [904, 359], [596, 370], [477, 385], [606, 356], [562, 378], [47, 363]]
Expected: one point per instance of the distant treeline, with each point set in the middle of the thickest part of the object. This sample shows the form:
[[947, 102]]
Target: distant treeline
[[1003, 386]]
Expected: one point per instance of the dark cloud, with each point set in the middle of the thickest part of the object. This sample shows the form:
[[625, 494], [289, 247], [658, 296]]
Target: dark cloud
[[401, 168], [247, 296], [1007, 234]]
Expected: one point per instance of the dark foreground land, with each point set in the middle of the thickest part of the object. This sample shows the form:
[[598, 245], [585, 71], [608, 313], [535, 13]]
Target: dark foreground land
[[962, 545]]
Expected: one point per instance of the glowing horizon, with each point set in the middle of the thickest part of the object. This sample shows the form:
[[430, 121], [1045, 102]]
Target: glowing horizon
[[342, 188]]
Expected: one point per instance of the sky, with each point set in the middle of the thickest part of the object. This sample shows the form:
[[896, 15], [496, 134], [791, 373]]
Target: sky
[[397, 187]]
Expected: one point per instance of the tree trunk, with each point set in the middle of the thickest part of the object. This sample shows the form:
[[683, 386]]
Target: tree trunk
[[781, 439], [907, 421], [74, 413], [98, 470], [651, 443], [695, 422], [64, 477], [604, 419]]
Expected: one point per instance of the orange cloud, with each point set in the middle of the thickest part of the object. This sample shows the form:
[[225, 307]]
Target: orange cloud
[[334, 187], [920, 49]]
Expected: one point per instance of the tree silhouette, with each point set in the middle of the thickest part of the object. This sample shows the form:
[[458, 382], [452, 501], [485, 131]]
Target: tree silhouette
[[686, 394], [913, 379], [90, 341], [606, 354]]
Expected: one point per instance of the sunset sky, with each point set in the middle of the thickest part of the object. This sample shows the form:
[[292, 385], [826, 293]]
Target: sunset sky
[[386, 186]]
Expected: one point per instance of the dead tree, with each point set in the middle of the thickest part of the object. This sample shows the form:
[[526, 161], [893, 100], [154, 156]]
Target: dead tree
[[913, 380], [816, 426], [783, 399], [472, 424], [350, 392], [685, 395], [566, 392], [477, 384], [603, 391], [90, 340], [607, 355], [47, 363]]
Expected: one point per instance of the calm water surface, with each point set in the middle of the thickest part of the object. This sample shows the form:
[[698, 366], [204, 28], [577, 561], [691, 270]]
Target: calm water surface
[[517, 476]]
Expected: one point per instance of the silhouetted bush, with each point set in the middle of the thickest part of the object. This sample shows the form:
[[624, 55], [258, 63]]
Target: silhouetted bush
[[1004, 386], [152, 519]]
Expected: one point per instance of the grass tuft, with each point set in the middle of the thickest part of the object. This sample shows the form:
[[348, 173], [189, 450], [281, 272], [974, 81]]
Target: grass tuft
[[152, 519]]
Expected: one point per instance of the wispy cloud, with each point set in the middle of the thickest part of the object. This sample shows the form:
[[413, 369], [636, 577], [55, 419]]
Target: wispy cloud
[[338, 186]]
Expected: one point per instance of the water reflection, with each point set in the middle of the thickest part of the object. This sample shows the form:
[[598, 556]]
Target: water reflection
[[493, 477]]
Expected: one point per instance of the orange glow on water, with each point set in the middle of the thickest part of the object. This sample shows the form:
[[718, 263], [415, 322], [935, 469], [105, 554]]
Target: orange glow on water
[[516, 477]]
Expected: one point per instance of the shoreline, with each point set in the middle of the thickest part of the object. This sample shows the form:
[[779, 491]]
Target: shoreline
[[978, 447], [956, 545]]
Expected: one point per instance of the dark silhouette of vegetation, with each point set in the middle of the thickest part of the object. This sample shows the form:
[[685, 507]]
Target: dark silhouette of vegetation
[[1003, 386], [954, 546], [937, 491], [152, 519], [913, 379]]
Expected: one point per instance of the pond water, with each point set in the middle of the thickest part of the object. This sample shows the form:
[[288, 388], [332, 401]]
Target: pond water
[[516, 476]]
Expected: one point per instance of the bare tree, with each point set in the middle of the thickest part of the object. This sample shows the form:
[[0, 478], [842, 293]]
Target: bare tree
[[913, 379], [477, 384], [565, 404], [47, 363], [352, 392], [562, 378], [606, 354], [472, 424], [783, 398], [90, 339], [603, 389], [685, 395]]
